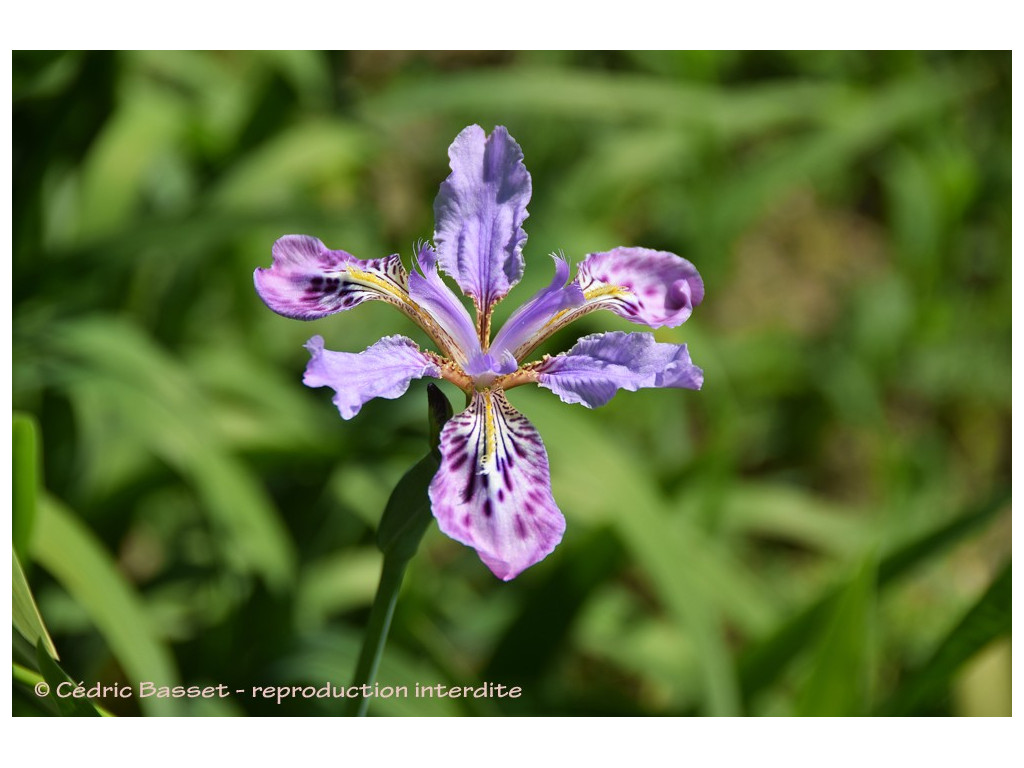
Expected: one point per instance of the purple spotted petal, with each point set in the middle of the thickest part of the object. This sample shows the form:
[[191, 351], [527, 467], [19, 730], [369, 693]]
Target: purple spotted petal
[[655, 288], [479, 213], [384, 369], [599, 364], [308, 281], [430, 292], [493, 490], [529, 322]]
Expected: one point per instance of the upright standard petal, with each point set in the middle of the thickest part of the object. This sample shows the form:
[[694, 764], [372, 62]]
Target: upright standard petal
[[656, 288], [493, 490], [384, 369], [479, 214], [429, 291], [599, 364], [531, 318], [308, 281]]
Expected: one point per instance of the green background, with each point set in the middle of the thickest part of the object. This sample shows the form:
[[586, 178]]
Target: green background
[[824, 529]]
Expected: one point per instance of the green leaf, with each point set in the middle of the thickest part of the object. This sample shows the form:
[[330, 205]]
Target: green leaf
[[532, 644], [784, 511], [26, 614], [70, 552], [841, 663], [342, 581], [408, 514], [692, 579], [763, 663], [330, 656], [124, 383], [439, 410], [317, 152], [989, 618], [68, 706], [856, 122], [25, 480], [571, 93], [126, 157]]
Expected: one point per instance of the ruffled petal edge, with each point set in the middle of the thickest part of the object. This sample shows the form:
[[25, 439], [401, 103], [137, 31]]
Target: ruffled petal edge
[[493, 489], [602, 363], [384, 369]]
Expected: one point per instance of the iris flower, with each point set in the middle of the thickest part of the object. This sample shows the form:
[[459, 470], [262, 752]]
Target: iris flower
[[492, 491]]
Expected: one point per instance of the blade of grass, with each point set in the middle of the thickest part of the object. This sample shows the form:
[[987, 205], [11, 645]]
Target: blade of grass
[[762, 664], [68, 706], [841, 664], [989, 618], [541, 631], [26, 617], [114, 369], [70, 552], [24, 480], [572, 93], [331, 655], [684, 578]]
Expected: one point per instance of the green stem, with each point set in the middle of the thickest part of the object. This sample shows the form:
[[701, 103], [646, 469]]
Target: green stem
[[383, 609], [406, 518]]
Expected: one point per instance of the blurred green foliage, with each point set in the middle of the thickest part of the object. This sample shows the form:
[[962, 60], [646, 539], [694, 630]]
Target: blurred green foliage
[[824, 529]]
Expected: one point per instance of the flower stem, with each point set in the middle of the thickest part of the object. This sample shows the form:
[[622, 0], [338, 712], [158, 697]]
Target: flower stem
[[383, 609], [406, 518]]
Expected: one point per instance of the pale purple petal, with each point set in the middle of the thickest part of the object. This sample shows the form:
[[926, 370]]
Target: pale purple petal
[[308, 281], [490, 364], [430, 292], [493, 490], [655, 288], [479, 213], [530, 320], [599, 364], [384, 369]]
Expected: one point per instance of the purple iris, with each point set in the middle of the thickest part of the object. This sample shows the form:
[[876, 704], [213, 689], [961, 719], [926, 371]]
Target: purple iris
[[493, 490]]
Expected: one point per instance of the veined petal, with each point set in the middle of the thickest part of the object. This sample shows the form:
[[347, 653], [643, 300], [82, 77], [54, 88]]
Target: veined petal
[[532, 317], [430, 292], [655, 288], [308, 281], [384, 369], [490, 364], [479, 213], [599, 364], [493, 490]]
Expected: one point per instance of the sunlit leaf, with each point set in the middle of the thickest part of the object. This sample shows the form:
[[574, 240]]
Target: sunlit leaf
[[330, 658], [989, 618], [26, 614], [764, 662], [132, 384], [68, 706], [68, 551], [25, 481], [840, 665]]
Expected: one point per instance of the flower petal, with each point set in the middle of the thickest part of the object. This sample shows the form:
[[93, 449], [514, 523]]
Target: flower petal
[[384, 369], [655, 288], [530, 319], [430, 292], [493, 490], [602, 363], [308, 281], [479, 213], [485, 366]]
